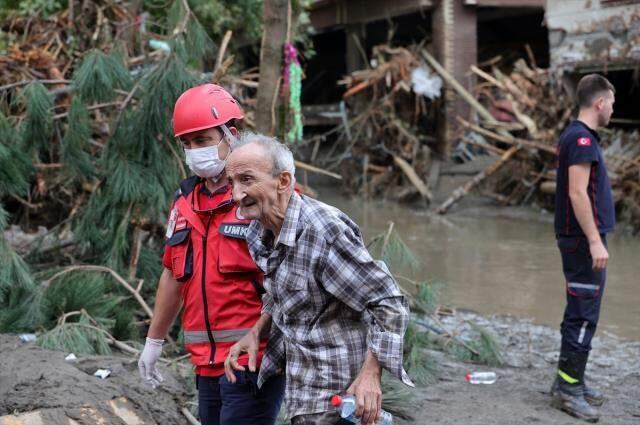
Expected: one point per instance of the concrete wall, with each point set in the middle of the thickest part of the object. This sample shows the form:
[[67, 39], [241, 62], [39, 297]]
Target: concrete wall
[[593, 35]]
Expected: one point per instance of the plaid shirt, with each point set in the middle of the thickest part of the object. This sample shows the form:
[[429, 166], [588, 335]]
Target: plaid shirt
[[330, 302]]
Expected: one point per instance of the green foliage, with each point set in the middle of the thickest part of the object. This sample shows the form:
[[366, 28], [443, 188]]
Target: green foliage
[[398, 399], [243, 17], [124, 328], [135, 170], [6, 38], [4, 218], [88, 291], [194, 43], [80, 337], [391, 249], [168, 80], [19, 295], [15, 166], [37, 127], [75, 144], [21, 309], [428, 297], [99, 75], [30, 7], [422, 369], [482, 349], [14, 272], [487, 347], [149, 269]]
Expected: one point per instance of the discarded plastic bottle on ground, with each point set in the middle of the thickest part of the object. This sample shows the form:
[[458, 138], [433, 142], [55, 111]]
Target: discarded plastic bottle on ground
[[481, 377], [346, 405]]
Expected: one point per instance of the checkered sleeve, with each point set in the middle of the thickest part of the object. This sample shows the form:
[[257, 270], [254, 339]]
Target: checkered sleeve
[[267, 304], [365, 285]]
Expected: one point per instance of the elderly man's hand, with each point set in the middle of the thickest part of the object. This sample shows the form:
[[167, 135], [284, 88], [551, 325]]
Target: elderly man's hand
[[250, 343], [368, 391]]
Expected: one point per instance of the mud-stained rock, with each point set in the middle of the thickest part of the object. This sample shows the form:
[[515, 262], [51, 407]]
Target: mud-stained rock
[[38, 386]]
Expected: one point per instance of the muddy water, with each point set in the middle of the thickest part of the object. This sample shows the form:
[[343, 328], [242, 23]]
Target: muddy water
[[496, 265]]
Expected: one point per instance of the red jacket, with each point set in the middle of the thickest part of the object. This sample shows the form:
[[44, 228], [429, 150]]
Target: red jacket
[[221, 285]]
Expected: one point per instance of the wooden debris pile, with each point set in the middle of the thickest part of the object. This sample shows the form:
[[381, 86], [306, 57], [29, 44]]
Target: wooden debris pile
[[528, 111], [383, 148], [48, 48]]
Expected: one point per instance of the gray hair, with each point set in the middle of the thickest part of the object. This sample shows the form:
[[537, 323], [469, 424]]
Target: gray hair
[[281, 156]]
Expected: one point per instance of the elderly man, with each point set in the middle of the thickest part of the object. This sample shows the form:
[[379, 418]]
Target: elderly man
[[338, 315]]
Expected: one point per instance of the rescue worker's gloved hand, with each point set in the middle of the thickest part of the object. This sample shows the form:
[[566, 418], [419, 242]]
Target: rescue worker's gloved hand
[[148, 362]]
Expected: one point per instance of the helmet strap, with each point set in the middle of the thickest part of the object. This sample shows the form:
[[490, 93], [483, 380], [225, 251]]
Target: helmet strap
[[232, 139]]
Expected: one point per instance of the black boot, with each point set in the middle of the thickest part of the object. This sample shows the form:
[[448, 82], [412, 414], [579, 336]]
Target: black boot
[[570, 392], [591, 395], [570, 398]]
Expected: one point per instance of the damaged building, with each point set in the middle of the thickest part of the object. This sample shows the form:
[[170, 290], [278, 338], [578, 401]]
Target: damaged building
[[598, 36], [461, 33]]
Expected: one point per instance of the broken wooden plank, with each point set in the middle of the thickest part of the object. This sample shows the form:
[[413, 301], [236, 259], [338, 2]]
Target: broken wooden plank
[[508, 139], [461, 191], [317, 170], [413, 177], [481, 110]]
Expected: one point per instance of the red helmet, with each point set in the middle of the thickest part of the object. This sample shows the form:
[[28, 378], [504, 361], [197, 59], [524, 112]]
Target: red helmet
[[203, 107]]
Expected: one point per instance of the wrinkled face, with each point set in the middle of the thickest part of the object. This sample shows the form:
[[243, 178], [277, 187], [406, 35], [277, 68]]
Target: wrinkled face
[[604, 104], [255, 189], [205, 138]]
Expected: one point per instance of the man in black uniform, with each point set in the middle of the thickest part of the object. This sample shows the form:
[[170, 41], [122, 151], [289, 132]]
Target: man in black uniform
[[584, 215]]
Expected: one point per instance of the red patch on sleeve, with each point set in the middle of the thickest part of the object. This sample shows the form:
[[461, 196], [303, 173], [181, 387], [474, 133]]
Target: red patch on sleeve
[[584, 141]]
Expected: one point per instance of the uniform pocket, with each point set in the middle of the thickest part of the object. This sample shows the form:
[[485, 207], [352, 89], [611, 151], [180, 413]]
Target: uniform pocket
[[233, 253], [577, 265], [181, 255], [584, 290]]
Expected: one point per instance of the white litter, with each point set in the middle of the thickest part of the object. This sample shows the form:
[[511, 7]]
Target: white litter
[[71, 358], [27, 337], [102, 373], [159, 45], [426, 84]]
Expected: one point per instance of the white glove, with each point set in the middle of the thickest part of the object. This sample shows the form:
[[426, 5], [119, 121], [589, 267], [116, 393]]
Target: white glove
[[147, 363]]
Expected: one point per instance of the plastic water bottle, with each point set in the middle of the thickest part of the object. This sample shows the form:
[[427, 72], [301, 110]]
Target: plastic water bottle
[[481, 377], [346, 405]]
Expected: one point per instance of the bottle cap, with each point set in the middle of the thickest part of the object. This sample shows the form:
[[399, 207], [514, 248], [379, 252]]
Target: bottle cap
[[336, 401], [467, 377]]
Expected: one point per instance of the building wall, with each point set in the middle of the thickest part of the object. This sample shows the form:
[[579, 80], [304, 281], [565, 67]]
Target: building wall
[[592, 35]]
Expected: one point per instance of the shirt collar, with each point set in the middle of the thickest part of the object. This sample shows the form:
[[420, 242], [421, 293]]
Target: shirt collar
[[288, 231], [586, 127]]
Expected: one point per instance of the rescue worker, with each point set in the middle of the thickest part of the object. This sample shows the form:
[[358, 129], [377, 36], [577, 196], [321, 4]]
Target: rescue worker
[[209, 272], [583, 217]]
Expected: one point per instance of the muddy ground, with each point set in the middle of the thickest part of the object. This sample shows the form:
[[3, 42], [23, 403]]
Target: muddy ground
[[41, 381], [520, 395], [33, 379]]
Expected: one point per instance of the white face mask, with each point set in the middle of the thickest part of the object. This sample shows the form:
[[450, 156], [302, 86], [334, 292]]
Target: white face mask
[[205, 162]]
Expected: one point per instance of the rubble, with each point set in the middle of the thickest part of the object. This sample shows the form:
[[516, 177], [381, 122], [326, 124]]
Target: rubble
[[386, 145], [383, 147], [532, 110]]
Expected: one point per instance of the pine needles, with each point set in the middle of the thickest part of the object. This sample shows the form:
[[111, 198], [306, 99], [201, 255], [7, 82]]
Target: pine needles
[[75, 153], [93, 160], [83, 336], [391, 249], [37, 127], [99, 76], [15, 164]]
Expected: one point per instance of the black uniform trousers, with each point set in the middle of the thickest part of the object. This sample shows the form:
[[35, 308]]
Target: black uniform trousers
[[584, 288]]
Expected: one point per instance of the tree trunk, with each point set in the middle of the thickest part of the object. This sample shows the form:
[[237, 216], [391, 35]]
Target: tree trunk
[[274, 17]]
